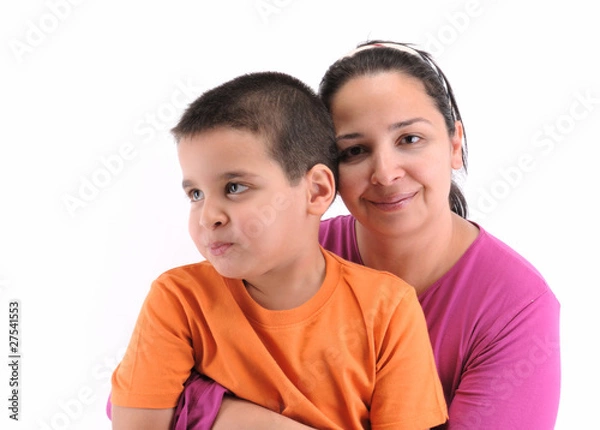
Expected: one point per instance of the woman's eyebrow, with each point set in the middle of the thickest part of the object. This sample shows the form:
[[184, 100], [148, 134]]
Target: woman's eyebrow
[[394, 126], [407, 122], [348, 136]]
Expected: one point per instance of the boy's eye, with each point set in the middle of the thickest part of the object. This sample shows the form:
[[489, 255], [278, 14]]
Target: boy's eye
[[196, 195], [234, 188]]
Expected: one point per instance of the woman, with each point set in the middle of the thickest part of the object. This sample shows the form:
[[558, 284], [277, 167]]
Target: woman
[[492, 320]]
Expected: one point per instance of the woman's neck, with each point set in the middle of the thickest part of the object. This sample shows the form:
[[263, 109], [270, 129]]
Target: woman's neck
[[421, 257]]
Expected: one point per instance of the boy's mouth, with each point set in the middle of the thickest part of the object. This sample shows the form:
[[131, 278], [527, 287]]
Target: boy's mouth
[[219, 248]]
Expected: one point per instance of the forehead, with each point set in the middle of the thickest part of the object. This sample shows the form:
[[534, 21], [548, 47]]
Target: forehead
[[221, 140], [393, 84], [214, 151], [382, 94]]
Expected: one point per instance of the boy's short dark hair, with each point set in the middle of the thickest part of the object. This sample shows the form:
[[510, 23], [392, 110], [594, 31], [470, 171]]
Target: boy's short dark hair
[[286, 112]]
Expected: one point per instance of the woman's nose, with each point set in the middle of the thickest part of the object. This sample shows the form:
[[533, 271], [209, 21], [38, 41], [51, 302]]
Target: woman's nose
[[387, 168]]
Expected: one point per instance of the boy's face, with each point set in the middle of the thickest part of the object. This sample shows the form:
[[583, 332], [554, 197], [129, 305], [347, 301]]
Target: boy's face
[[245, 216]]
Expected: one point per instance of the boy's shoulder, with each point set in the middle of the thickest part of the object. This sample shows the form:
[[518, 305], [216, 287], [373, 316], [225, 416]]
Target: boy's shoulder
[[361, 278], [190, 287], [202, 268], [190, 276]]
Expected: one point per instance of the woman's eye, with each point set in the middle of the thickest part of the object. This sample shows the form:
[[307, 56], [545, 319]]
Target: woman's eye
[[196, 195], [351, 152], [234, 188], [411, 139]]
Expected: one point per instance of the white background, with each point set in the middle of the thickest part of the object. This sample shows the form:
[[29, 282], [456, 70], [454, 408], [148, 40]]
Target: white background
[[84, 82]]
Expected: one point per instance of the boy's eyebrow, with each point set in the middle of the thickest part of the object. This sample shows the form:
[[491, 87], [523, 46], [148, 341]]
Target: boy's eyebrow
[[392, 127], [238, 174], [227, 176]]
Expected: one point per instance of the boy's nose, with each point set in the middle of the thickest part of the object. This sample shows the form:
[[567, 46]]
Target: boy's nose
[[212, 215]]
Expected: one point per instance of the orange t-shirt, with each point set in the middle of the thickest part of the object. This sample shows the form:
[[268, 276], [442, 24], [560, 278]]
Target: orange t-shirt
[[357, 354]]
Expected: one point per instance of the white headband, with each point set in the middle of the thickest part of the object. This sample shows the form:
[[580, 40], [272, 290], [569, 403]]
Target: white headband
[[403, 48], [397, 46]]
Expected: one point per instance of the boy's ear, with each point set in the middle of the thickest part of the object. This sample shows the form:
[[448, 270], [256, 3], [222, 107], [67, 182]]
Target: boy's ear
[[320, 188]]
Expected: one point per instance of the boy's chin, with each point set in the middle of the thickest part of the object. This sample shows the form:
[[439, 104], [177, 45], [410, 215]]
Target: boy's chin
[[230, 271]]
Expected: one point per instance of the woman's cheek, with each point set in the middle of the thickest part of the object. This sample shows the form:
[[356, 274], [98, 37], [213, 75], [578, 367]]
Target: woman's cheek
[[350, 179]]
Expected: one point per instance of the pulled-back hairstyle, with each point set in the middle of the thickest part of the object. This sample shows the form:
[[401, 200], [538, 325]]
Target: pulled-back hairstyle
[[382, 56], [287, 113]]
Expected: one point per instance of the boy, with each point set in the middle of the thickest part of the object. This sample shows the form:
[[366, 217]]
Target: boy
[[270, 315]]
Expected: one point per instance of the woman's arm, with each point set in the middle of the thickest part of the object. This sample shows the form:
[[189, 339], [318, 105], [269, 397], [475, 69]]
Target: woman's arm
[[207, 405], [141, 419], [239, 414], [514, 381]]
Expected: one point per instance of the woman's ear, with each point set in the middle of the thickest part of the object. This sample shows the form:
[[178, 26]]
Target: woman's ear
[[456, 155], [320, 188]]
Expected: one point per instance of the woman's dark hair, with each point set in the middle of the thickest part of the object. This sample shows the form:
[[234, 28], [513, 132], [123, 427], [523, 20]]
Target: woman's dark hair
[[381, 56]]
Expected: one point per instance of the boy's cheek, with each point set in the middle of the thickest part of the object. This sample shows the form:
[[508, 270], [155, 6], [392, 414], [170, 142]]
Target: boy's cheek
[[194, 232], [201, 249]]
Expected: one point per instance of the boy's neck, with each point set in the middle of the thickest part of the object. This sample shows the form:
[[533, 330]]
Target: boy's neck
[[289, 286]]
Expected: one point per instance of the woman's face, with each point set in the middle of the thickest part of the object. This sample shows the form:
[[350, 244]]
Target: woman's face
[[396, 155]]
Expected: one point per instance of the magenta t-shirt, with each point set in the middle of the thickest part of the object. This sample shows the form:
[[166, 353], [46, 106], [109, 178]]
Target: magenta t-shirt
[[494, 328]]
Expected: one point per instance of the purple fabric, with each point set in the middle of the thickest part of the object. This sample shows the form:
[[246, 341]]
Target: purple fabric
[[494, 328], [198, 405], [109, 407]]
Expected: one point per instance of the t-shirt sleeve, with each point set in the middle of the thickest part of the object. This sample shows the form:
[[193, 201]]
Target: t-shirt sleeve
[[514, 380], [159, 357], [408, 393]]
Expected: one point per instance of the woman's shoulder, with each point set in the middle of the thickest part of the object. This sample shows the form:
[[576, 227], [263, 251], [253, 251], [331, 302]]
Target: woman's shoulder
[[335, 225], [338, 235], [501, 261], [491, 290], [492, 276]]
